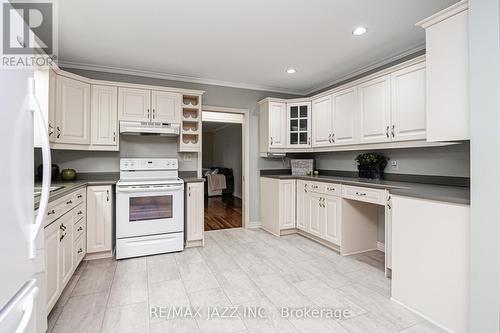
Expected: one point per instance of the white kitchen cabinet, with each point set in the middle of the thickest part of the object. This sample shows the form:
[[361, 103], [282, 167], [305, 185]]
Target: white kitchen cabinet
[[447, 88], [408, 96], [375, 110], [346, 118], [332, 219], [99, 219], [53, 286], [72, 111], [388, 234], [287, 199], [166, 107], [303, 208], [298, 125], [134, 104], [317, 213], [272, 126], [66, 248], [194, 202], [104, 116], [322, 121], [45, 91]]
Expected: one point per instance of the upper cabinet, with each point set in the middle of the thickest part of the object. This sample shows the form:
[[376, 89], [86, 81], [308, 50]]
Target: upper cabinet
[[166, 107], [149, 105], [72, 116], [272, 126], [322, 121], [299, 125], [408, 103], [447, 55], [375, 110], [134, 104], [345, 117], [104, 116]]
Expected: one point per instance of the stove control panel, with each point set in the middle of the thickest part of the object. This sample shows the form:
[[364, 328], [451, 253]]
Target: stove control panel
[[136, 164]]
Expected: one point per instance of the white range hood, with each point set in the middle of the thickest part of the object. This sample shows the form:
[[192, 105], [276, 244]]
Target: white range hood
[[149, 128]]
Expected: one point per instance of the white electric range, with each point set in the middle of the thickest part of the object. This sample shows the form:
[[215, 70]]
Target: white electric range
[[149, 207]]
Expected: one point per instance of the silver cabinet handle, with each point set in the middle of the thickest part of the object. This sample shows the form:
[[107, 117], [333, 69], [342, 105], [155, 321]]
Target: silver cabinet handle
[[114, 136], [62, 237], [51, 130], [305, 188], [69, 202], [58, 132], [79, 229], [389, 202], [153, 113], [333, 137], [79, 213], [392, 130], [360, 194], [79, 196], [272, 141], [387, 131], [107, 195], [51, 212], [309, 140], [148, 112], [80, 250]]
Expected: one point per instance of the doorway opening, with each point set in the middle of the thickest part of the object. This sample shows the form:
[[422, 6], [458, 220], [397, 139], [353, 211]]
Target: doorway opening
[[222, 166]]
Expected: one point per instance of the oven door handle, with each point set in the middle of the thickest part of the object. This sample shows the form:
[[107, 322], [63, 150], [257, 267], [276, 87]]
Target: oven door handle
[[166, 188]]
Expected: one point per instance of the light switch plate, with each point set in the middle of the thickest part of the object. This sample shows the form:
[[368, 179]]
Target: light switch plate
[[394, 165]]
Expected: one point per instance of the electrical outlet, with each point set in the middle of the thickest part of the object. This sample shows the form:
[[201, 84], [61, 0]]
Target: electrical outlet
[[394, 165], [188, 157]]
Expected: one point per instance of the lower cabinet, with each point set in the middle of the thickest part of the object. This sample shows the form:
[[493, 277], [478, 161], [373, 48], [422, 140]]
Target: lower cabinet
[[99, 220], [52, 256], [287, 204], [194, 210], [332, 219], [277, 204], [66, 248]]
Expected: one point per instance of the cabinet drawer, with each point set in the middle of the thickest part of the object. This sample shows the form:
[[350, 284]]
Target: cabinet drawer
[[79, 213], [58, 208], [80, 250], [364, 194], [332, 189], [79, 196], [315, 187], [79, 229]]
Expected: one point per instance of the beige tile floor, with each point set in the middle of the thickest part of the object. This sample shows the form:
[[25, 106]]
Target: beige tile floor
[[236, 268]]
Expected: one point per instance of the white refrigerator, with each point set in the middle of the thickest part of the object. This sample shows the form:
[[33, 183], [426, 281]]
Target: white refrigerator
[[22, 277]]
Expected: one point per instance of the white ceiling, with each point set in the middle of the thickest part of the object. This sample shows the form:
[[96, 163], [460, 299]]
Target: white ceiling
[[246, 44]]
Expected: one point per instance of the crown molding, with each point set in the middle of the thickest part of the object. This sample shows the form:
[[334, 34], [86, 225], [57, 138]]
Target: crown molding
[[176, 77], [374, 65]]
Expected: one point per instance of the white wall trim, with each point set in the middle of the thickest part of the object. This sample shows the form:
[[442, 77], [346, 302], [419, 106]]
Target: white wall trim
[[176, 77], [420, 314], [381, 246], [254, 225]]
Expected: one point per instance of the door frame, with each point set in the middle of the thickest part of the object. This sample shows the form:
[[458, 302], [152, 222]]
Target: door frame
[[245, 149]]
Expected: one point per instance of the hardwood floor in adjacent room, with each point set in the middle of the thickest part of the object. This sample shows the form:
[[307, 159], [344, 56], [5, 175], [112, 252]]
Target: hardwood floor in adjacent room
[[222, 213]]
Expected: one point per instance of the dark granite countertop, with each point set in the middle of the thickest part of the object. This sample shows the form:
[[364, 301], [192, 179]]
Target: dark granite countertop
[[190, 177], [453, 194], [83, 180]]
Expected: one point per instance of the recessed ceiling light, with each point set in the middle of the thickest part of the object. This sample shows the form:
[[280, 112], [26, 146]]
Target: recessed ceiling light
[[359, 31], [291, 70]]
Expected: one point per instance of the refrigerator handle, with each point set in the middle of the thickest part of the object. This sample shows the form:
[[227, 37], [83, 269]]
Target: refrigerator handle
[[27, 311], [34, 107]]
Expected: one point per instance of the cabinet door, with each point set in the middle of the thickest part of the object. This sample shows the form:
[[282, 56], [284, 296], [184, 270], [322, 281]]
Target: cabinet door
[[332, 219], [99, 219], [322, 122], [104, 115], [408, 103], [166, 107], [66, 249], [277, 125], [375, 110], [388, 233], [345, 117], [134, 104], [299, 125], [72, 111], [53, 290], [194, 211], [302, 205], [316, 214], [287, 204]]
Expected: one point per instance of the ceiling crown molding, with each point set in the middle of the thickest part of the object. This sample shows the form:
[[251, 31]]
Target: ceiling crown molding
[[176, 77]]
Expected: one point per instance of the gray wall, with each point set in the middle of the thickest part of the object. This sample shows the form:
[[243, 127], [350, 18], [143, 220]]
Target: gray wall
[[225, 148], [437, 161], [216, 96]]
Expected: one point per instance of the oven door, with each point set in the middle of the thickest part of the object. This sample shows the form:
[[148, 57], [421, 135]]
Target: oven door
[[149, 210]]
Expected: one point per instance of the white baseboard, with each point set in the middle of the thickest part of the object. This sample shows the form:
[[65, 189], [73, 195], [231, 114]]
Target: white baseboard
[[409, 308], [238, 195], [381, 246], [254, 224]]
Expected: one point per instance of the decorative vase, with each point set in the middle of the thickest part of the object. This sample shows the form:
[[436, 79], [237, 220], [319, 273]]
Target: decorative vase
[[370, 172], [68, 174]]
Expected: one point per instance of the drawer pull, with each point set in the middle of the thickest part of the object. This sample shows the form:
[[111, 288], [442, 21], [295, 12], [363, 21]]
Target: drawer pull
[[79, 196], [62, 227], [360, 194], [330, 188], [69, 202], [62, 237], [79, 213], [80, 250], [51, 212], [79, 229]]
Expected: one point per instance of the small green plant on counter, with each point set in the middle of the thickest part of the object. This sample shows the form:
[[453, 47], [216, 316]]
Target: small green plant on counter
[[372, 160]]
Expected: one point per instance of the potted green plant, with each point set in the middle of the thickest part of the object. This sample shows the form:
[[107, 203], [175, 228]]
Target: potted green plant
[[371, 165]]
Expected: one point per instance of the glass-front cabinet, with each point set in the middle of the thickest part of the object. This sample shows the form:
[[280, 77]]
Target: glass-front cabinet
[[299, 125]]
